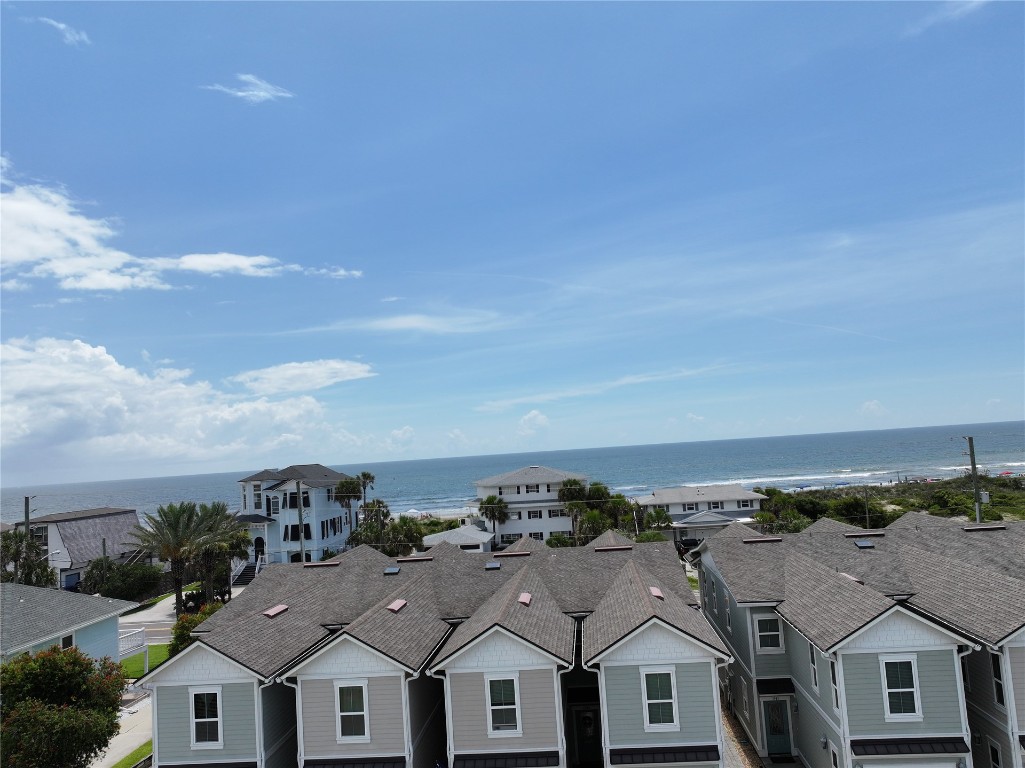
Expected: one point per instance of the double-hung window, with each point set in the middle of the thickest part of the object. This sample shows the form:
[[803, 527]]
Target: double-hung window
[[205, 716], [533, 489], [835, 685], [998, 679], [716, 505], [503, 699], [351, 720], [658, 687], [995, 758], [813, 665], [770, 634], [534, 514], [900, 687]]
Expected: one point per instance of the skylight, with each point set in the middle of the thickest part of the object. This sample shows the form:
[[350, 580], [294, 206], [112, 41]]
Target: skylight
[[763, 540], [614, 548], [865, 544], [492, 565], [391, 570]]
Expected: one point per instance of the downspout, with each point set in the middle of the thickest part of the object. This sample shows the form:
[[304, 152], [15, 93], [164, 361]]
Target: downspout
[[602, 700], [841, 692], [298, 719], [717, 665], [261, 755], [449, 745], [561, 715], [959, 676]]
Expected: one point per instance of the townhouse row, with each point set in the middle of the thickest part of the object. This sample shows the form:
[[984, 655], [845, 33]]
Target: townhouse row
[[894, 648], [533, 656]]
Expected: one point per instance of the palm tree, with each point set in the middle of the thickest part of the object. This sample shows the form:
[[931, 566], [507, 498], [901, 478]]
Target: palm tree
[[174, 534], [366, 480], [227, 537], [572, 490], [26, 560], [592, 525], [495, 509], [347, 491]]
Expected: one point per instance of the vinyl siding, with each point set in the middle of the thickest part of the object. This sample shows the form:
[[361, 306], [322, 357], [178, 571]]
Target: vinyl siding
[[937, 686], [384, 700], [696, 709], [769, 664], [740, 682], [99, 640], [538, 711], [983, 727], [737, 639], [1016, 686], [980, 677], [238, 720], [807, 729], [800, 670]]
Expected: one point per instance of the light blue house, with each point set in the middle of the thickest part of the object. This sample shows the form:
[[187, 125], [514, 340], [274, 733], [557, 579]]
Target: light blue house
[[34, 618]]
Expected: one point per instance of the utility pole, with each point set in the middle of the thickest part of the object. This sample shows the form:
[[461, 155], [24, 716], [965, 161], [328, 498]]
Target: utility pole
[[975, 479], [28, 537], [302, 527], [866, 506]]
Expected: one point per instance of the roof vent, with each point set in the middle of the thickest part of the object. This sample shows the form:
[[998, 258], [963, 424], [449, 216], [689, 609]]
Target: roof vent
[[763, 540], [396, 606], [656, 592], [524, 598], [864, 544], [614, 548], [270, 613], [324, 564], [852, 578], [970, 528], [492, 565], [391, 570], [415, 559], [512, 554], [864, 534]]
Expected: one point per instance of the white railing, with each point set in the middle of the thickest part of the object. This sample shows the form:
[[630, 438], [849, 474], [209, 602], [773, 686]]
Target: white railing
[[260, 562], [130, 641], [237, 564]]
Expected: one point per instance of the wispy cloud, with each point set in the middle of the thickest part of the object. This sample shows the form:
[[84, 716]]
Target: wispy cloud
[[337, 273], [948, 12], [597, 388], [253, 89], [442, 323], [531, 422], [44, 235], [69, 34], [302, 377]]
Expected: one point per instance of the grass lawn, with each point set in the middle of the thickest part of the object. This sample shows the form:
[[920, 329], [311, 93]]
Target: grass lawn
[[129, 760], [133, 664]]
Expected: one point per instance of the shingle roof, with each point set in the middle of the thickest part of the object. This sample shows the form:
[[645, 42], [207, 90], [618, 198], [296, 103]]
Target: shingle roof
[[311, 475], [950, 572], [610, 539], [83, 532], [829, 525], [33, 614], [691, 493], [529, 476], [629, 604], [918, 519], [536, 619], [464, 534], [323, 599], [526, 544]]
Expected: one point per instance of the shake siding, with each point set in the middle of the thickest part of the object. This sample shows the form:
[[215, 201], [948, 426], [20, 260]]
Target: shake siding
[[695, 707], [238, 720], [537, 710], [319, 709], [937, 686]]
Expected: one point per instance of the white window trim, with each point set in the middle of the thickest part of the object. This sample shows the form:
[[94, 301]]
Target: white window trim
[[196, 689], [989, 753], [360, 682], [834, 682], [715, 599], [515, 677], [892, 717], [996, 664], [813, 667], [834, 753], [758, 634], [743, 699], [650, 727], [726, 611]]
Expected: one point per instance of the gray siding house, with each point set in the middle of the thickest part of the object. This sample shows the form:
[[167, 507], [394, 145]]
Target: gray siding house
[[873, 649], [457, 656]]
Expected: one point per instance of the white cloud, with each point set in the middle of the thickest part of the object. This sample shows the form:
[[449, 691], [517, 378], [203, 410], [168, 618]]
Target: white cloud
[[873, 408], [949, 11], [468, 322], [73, 405], [391, 298], [694, 417], [44, 235], [531, 422], [302, 377], [337, 273], [70, 35], [403, 435], [253, 89]]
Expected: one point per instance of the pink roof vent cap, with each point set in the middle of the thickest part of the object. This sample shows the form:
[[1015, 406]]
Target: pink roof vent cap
[[396, 605], [270, 613], [525, 598], [656, 592]]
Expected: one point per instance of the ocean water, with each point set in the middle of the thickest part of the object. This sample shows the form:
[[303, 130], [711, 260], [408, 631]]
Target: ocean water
[[439, 485]]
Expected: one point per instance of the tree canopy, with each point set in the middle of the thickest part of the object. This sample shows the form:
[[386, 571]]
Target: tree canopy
[[495, 509], [24, 561], [59, 708]]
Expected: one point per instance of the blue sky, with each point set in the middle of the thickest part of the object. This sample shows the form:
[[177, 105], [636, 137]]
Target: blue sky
[[239, 235]]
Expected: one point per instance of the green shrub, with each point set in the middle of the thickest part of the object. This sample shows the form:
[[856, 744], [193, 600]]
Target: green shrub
[[181, 634]]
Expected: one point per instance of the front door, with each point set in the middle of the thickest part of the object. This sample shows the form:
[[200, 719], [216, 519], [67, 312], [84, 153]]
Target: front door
[[586, 736], [258, 547], [777, 727]]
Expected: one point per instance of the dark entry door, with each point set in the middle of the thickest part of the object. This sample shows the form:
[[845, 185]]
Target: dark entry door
[[777, 727], [258, 546], [586, 744]]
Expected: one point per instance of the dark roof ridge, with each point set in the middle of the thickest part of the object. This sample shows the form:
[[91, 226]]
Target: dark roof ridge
[[610, 539]]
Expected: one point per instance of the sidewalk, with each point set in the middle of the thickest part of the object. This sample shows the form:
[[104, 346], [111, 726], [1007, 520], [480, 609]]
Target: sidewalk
[[162, 611], [136, 718]]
